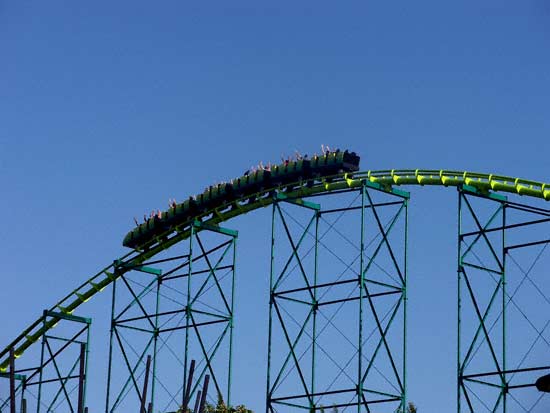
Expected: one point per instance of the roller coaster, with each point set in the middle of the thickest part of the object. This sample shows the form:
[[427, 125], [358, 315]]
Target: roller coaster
[[181, 255]]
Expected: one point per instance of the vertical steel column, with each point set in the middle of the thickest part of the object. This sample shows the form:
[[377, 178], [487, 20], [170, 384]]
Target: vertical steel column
[[459, 307], [41, 366], [81, 378], [405, 303], [503, 304], [268, 407], [145, 383], [12, 381], [155, 343], [361, 300], [188, 313], [111, 336], [315, 304], [232, 324]]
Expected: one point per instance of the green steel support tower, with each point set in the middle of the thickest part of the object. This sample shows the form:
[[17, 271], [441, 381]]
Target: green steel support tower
[[58, 379], [174, 308], [500, 263], [337, 301]]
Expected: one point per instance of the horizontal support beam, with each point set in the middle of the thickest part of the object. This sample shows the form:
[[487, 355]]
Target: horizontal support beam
[[468, 189], [391, 190], [67, 340], [16, 375], [505, 227], [313, 287], [173, 277], [52, 380], [165, 313], [496, 373], [177, 257], [381, 204], [478, 267], [527, 244], [297, 201], [148, 270], [335, 283], [206, 323], [69, 317], [345, 300], [215, 228]]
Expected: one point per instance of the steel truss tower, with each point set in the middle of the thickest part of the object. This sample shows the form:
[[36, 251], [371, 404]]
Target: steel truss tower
[[337, 311], [57, 380], [174, 309], [502, 285]]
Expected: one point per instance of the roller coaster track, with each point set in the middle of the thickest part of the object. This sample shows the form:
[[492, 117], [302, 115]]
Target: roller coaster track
[[382, 179]]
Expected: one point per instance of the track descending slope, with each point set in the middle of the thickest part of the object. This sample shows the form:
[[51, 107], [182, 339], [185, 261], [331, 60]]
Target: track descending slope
[[382, 179]]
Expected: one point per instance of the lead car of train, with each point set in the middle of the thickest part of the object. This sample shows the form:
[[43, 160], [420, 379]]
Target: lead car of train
[[223, 195]]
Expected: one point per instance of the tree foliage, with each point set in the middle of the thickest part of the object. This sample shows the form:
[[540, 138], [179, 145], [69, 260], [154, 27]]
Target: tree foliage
[[221, 407], [411, 408]]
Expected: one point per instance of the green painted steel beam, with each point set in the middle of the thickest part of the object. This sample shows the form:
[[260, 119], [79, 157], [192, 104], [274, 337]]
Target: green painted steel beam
[[63, 316], [491, 195], [299, 201], [16, 375], [215, 228], [145, 269], [384, 180]]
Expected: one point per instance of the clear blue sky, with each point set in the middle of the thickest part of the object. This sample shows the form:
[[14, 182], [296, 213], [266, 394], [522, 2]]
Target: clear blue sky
[[107, 109]]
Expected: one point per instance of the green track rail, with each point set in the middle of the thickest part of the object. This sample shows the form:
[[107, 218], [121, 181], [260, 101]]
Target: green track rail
[[384, 180]]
